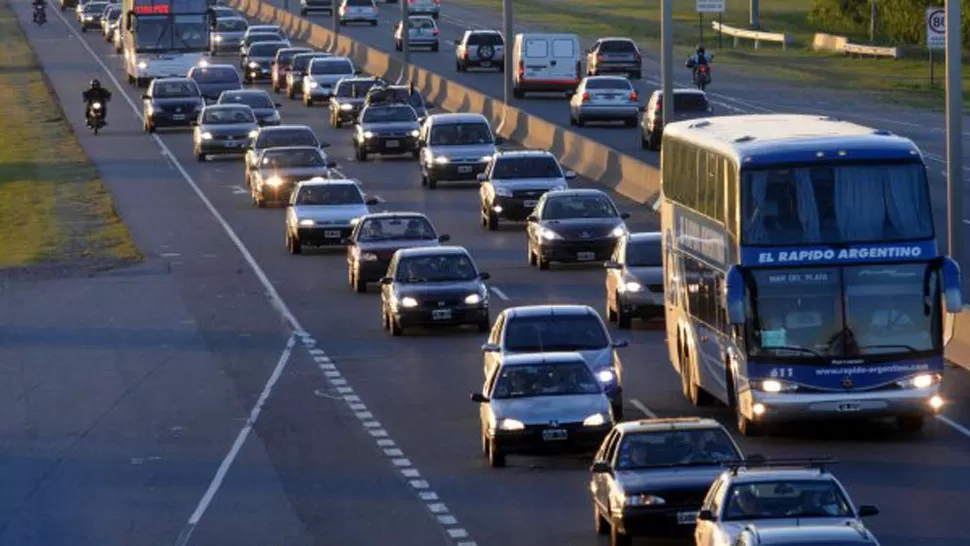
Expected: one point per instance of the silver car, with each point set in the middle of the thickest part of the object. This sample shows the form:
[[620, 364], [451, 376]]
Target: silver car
[[224, 129], [322, 76], [480, 49], [424, 7], [541, 403], [605, 98], [109, 21], [635, 279], [422, 32], [515, 180], [323, 213], [552, 328], [228, 35], [357, 11], [455, 147]]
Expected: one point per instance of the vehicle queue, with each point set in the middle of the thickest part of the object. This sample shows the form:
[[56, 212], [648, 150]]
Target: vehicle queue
[[553, 378]]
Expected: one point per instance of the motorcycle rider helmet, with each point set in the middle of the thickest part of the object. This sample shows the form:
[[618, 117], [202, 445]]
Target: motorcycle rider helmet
[[95, 84], [700, 49]]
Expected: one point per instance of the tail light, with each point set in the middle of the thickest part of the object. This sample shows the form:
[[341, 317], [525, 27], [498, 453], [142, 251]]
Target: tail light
[[521, 69], [465, 55], [436, 32], [585, 97], [437, 2], [634, 97]]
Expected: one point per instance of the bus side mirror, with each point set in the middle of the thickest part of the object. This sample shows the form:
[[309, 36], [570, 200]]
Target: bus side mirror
[[734, 295], [952, 292]]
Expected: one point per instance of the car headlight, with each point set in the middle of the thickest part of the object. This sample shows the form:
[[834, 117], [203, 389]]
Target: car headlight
[[594, 420], [502, 192], [207, 136], [473, 299], [88, 18], [605, 376], [408, 302], [368, 134], [368, 257], [548, 234], [204, 63], [314, 84], [307, 222], [346, 106], [274, 181], [618, 231], [485, 158], [775, 386], [218, 38], [511, 424], [630, 286], [253, 64], [560, 187], [253, 134], [415, 133], [143, 65], [921, 381], [644, 500], [441, 160]]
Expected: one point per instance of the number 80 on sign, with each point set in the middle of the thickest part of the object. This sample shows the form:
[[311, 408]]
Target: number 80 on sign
[[935, 28]]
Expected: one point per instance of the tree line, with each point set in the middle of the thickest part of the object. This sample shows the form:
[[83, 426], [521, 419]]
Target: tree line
[[899, 22]]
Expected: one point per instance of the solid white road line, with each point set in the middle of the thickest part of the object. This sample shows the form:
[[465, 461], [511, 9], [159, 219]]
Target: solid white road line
[[643, 409], [954, 425], [451, 527], [495, 290]]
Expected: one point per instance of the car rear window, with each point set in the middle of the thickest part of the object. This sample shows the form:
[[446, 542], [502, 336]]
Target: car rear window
[[284, 57], [563, 48], [610, 83], [485, 38], [231, 25], [536, 47], [617, 46], [215, 75], [331, 67], [532, 334], [265, 50], [289, 137], [692, 102]]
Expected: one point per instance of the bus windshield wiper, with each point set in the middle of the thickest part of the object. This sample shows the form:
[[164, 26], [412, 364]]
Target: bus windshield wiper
[[796, 349], [897, 346]]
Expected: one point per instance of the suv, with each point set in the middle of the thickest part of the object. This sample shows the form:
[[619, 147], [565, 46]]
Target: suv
[[614, 56], [482, 49], [688, 104], [514, 181], [306, 6], [539, 329], [455, 147]]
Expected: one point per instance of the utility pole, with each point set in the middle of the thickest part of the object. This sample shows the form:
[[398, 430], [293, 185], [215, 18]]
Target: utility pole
[[335, 15], [954, 131], [667, 59], [873, 12], [755, 13], [508, 31], [405, 34]]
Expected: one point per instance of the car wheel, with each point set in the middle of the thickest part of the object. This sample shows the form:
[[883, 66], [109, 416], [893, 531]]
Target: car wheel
[[360, 286], [543, 264], [200, 156], [910, 424], [492, 221], [517, 93], [623, 319], [619, 539], [307, 101], [638, 75], [610, 313], [484, 444], [496, 459], [373, 23], [395, 326], [416, 154], [654, 142], [580, 122], [458, 66], [601, 524], [293, 244], [337, 123], [432, 182], [149, 127], [303, 13], [434, 47], [531, 255], [361, 155], [484, 325], [397, 46], [384, 323], [291, 93]]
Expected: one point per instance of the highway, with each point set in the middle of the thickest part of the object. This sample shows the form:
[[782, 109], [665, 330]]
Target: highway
[[336, 463]]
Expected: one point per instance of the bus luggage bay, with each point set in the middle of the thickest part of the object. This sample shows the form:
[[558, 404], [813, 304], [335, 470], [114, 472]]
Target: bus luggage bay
[[803, 279], [164, 38]]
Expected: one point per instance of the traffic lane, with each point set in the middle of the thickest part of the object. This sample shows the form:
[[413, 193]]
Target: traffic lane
[[321, 459]]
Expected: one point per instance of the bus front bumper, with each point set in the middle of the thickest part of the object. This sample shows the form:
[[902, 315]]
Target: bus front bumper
[[759, 406]]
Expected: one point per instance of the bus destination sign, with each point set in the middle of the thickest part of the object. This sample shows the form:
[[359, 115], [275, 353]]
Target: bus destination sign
[[856, 253]]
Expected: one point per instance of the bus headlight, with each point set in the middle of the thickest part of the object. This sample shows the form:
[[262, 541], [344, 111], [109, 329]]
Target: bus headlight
[[921, 381], [775, 386]]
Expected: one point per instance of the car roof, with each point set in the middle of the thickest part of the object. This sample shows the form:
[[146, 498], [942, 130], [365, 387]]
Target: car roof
[[261, 27], [756, 474], [645, 236], [227, 106], [794, 534], [333, 58], [523, 153], [682, 92], [448, 119], [275, 128], [667, 424], [321, 54], [528, 359], [483, 31], [320, 181], [293, 149], [605, 77], [179, 79], [249, 91], [432, 251], [273, 42], [573, 192], [392, 215], [549, 310], [194, 69], [616, 39], [297, 48]]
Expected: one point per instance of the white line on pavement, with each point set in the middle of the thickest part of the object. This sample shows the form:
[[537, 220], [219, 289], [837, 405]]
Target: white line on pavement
[[451, 525], [954, 425], [643, 409], [495, 290]]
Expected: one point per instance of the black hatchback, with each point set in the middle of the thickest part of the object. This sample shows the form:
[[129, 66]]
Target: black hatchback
[[171, 102], [574, 226]]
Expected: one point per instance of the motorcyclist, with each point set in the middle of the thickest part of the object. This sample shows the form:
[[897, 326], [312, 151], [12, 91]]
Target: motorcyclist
[[700, 57], [96, 93], [40, 6]]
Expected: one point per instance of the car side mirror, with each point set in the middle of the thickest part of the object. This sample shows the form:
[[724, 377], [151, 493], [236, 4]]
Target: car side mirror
[[277, 105], [532, 219], [484, 276], [482, 177], [444, 238], [479, 397], [324, 145], [868, 510], [570, 175], [705, 515], [194, 123], [600, 467], [146, 96], [642, 108], [625, 215], [710, 108], [490, 348], [612, 265], [620, 343], [372, 201], [331, 164], [387, 280]]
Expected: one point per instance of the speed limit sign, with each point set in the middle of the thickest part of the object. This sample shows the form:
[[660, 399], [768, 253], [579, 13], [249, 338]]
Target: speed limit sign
[[935, 28]]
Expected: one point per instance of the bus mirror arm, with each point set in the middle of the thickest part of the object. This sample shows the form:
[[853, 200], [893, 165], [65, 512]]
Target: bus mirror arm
[[952, 292], [734, 295]]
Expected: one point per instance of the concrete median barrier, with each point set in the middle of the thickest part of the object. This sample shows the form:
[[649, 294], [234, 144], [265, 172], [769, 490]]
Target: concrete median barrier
[[629, 176]]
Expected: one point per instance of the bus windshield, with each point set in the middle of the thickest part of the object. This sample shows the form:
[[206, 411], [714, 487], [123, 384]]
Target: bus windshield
[[854, 311], [165, 33], [832, 204]]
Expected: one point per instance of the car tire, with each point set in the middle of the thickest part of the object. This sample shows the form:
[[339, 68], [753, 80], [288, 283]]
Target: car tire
[[398, 46], [601, 524], [484, 325], [293, 244], [518, 93], [149, 127], [580, 122], [432, 182], [373, 23], [291, 93], [654, 142], [435, 47], [623, 320], [385, 325], [416, 154], [542, 264], [303, 13], [201, 157], [395, 326], [610, 313], [531, 255], [619, 539], [492, 221], [910, 424], [359, 286], [361, 155], [638, 75], [458, 67], [496, 458], [307, 101]]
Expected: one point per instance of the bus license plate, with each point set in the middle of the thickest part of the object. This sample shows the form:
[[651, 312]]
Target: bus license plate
[[530, 204], [465, 169], [686, 518], [585, 256], [393, 143], [554, 434], [441, 314], [331, 234], [848, 407]]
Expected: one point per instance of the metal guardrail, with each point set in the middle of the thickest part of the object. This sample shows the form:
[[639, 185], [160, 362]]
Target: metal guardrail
[[871, 51], [758, 36]]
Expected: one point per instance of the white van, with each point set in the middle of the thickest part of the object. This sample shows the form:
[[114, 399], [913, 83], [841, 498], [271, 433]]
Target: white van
[[546, 63]]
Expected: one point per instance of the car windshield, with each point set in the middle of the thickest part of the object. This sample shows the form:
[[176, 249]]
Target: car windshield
[[290, 159], [421, 23], [113, 14], [253, 100], [231, 25], [265, 49], [392, 114], [578, 206], [216, 75], [689, 102], [675, 447], [526, 167], [609, 83], [484, 38], [384, 229], [288, 137], [786, 499], [458, 134], [545, 333], [644, 253], [95, 8], [331, 67], [436, 268], [169, 90], [227, 116], [356, 88], [617, 46], [336, 194], [391, 95], [559, 379], [301, 61]]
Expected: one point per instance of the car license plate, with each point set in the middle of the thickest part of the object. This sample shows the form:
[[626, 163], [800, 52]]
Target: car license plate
[[465, 169], [393, 143], [686, 518], [848, 407], [441, 314], [331, 234], [486, 63], [554, 434], [585, 256], [178, 116], [530, 204]]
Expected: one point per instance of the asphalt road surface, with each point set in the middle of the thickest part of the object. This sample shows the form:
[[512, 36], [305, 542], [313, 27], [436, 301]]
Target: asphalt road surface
[[373, 439]]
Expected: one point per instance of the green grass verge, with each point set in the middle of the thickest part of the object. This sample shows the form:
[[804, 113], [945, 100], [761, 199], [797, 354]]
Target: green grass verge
[[53, 206], [904, 80]]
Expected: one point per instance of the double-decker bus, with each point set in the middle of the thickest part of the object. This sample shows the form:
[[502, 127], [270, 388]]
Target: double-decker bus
[[164, 38], [803, 279]]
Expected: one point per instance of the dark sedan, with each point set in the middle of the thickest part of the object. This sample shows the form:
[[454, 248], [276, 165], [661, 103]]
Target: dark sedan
[[650, 477], [259, 100], [258, 61], [255, 38], [281, 65], [90, 15], [399, 94], [635, 279], [277, 137], [171, 102], [213, 79], [387, 130], [574, 226], [223, 129], [281, 169], [348, 99], [433, 287], [378, 236]]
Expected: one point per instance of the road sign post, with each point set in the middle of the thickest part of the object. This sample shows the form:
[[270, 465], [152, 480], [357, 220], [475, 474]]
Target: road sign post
[[707, 6], [954, 126], [405, 34], [935, 37], [507, 58]]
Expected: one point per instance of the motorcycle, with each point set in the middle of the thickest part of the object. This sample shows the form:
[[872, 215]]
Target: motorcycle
[[702, 76], [40, 14], [96, 117]]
